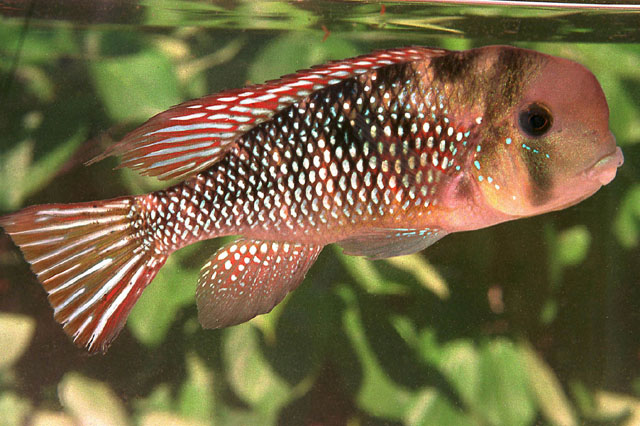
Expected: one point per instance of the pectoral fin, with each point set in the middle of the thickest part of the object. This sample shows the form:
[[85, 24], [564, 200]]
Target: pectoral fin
[[383, 243]]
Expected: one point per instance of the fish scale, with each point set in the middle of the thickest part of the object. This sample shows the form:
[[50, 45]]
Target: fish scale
[[311, 171], [383, 154]]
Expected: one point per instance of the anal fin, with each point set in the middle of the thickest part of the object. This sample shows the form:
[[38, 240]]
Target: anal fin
[[246, 278], [381, 243]]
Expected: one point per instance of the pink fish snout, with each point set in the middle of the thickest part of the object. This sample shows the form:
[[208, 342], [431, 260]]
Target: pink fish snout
[[604, 170]]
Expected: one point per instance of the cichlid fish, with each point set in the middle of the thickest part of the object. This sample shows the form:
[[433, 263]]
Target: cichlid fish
[[383, 154]]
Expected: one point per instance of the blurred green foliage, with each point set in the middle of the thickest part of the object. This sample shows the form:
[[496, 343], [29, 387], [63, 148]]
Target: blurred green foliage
[[531, 322]]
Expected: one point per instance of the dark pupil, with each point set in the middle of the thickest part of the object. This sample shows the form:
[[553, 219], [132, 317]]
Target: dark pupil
[[535, 120]]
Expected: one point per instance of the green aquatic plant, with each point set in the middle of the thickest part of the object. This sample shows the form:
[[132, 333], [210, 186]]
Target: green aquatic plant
[[525, 323]]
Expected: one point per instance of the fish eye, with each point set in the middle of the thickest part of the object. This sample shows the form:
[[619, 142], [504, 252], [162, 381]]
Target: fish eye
[[535, 120]]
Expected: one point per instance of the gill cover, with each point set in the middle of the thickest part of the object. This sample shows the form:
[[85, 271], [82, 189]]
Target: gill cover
[[538, 153]]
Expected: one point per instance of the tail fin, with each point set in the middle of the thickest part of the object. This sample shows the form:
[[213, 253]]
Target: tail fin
[[93, 259]]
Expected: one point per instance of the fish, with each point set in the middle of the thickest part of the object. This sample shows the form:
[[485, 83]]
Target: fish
[[383, 154]]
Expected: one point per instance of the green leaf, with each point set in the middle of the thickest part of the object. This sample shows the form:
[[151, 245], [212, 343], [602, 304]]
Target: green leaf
[[37, 82], [423, 271], [430, 408], [365, 273], [45, 169], [378, 394], [13, 409], [302, 331], [180, 13], [135, 87], [163, 418], [549, 311], [249, 374], [614, 406], [27, 176], [583, 399], [160, 399], [490, 380], [51, 418], [90, 401], [573, 245], [41, 44], [296, 51], [229, 415], [456, 43], [547, 389], [429, 348], [139, 184], [16, 332], [195, 400], [273, 15], [192, 73], [14, 168], [627, 221], [173, 288], [503, 395], [459, 361]]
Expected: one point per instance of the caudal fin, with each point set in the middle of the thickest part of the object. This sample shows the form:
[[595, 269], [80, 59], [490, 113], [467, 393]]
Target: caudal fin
[[93, 259]]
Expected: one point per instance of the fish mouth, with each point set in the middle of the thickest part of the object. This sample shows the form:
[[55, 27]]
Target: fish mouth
[[604, 170]]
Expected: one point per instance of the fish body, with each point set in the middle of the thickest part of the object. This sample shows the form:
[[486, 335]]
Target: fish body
[[383, 154]]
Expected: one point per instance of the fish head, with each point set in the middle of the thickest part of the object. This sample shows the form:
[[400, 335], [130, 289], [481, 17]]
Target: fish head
[[551, 147]]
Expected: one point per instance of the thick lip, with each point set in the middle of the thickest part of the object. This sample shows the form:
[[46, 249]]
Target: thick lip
[[604, 170]]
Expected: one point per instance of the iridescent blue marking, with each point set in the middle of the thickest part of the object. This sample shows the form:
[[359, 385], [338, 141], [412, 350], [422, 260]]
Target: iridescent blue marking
[[508, 141], [477, 164]]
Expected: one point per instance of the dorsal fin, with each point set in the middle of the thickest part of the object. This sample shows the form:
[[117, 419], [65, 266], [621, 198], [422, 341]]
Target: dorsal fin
[[192, 136]]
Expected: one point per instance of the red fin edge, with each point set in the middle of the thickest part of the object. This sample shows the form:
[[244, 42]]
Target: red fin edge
[[90, 259]]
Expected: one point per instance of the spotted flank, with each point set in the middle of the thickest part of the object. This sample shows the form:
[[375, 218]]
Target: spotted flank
[[383, 154], [246, 278]]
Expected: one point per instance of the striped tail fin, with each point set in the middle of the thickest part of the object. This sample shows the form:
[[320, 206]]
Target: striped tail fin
[[93, 259]]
